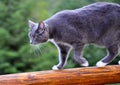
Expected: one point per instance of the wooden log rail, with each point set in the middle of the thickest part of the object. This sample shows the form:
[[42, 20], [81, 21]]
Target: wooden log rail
[[76, 76]]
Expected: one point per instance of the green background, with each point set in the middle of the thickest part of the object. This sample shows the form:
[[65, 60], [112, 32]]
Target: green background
[[17, 55]]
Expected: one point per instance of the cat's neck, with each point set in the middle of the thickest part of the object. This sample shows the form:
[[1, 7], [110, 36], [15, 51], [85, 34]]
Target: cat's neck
[[50, 27]]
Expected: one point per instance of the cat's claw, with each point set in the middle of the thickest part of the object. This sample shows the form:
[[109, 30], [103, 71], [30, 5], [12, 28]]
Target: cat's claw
[[101, 64], [85, 64], [55, 67], [119, 62]]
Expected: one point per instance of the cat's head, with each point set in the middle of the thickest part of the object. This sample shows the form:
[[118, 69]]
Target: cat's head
[[38, 32]]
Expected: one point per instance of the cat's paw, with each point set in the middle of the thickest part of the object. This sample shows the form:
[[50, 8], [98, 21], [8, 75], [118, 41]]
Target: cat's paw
[[85, 64], [119, 62], [55, 67], [101, 64]]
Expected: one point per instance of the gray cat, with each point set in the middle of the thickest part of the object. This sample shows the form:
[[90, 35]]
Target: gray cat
[[98, 23]]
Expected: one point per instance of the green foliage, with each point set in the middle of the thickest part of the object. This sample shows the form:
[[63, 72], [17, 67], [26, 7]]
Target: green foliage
[[13, 33], [4, 37], [16, 55]]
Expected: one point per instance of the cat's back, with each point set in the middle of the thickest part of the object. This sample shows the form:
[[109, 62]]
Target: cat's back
[[99, 8], [100, 11], [92, 9], [99, 5]]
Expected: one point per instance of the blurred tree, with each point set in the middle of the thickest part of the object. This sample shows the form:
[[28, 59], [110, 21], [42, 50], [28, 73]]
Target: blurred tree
[[16, 55], [13, 33]]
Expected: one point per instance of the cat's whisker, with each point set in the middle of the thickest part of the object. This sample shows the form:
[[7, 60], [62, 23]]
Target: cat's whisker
[[40, 52], [43, 50], [35, 50]]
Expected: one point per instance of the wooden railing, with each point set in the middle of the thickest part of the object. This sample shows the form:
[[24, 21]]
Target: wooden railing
[[76, 76]]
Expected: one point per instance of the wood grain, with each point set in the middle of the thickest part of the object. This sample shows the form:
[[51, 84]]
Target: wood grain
[[76, 76]]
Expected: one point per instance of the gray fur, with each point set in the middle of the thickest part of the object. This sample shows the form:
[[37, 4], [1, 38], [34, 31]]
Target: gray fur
[[98, 23]]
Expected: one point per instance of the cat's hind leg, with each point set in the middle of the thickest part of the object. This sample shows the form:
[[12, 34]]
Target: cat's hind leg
[[78, 55], [63, 55], [112, 52]]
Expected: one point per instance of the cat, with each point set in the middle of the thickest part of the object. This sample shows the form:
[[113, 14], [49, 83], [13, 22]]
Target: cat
[[97, 23]]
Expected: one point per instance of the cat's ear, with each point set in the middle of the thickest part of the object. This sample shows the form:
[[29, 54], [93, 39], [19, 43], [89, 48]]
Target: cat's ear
[[42, 24], [31, 24]]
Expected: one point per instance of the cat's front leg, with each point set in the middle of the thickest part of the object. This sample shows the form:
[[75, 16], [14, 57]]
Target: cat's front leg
[[63, 55], [78, 55]]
